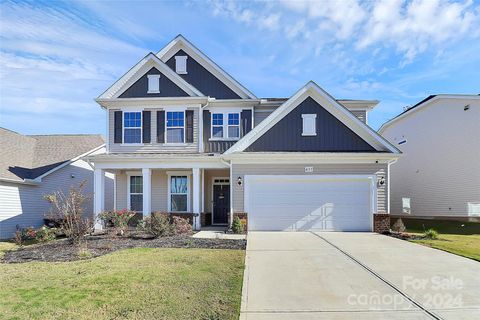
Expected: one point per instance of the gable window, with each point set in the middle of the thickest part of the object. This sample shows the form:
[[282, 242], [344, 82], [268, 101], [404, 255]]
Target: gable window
[[309, 122], [181, 64], [153, 83], [233, 125], [217, 125], [135, 193], [175, 127], [132, 127], [178, 193]]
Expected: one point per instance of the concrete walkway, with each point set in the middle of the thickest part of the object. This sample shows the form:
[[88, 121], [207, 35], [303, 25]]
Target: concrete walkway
[[302, 275]]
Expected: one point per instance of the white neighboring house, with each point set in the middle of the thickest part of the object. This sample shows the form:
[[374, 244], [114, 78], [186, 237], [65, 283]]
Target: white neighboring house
[[439, 173], [32, 166]]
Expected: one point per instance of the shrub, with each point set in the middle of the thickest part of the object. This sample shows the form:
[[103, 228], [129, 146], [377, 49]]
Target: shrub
[[69, 209], [430, 234], [45, 234], [398, 226], [181, 225], [119, 219], [158, 225], [24, 234], [237, 226]]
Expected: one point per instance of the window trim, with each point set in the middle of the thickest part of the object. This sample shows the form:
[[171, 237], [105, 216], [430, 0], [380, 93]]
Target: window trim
[[153, 76], [171, 174], [234, 125], [184, 128], [225, 125], [305, 117], [141, 128], [129, 175], [181, 60]]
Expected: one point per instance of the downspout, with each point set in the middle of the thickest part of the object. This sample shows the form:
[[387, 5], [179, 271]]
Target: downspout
[[229, 164], [388, 183], [201, 147]]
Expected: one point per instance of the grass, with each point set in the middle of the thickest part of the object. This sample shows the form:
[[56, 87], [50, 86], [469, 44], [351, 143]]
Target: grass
[[137, 283], [461, 238]]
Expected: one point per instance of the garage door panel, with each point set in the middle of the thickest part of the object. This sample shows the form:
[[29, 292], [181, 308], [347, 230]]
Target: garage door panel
[[306, 203]]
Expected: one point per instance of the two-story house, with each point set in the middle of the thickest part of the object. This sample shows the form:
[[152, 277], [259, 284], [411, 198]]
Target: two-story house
[[185, 137]]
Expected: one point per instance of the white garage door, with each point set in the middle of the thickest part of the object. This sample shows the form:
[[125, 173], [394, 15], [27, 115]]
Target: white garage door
[[316, 203]]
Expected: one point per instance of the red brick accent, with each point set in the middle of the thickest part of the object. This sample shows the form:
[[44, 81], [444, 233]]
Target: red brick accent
[[381, 222]]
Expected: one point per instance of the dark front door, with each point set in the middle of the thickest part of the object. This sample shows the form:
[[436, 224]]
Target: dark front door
[[221, 203]]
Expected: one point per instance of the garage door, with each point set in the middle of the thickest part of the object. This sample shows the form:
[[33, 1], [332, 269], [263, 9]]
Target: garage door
[[315, 203]]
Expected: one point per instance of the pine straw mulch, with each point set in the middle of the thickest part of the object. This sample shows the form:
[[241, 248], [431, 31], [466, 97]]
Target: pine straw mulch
[[97, 245]]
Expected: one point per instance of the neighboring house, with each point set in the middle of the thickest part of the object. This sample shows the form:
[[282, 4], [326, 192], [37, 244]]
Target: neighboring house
[[186, 138], [32, 166], [439, 174]]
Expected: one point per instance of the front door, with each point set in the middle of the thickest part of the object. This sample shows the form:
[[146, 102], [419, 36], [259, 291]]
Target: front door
[[221, 203]]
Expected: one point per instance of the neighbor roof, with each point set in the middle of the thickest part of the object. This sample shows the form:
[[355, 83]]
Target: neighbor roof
[[27, 157]]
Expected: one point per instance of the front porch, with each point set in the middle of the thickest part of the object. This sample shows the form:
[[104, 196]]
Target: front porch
[[203, 195]]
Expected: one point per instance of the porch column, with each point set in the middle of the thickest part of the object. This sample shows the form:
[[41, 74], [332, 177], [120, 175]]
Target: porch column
[[196, 198], [147, 191], [99, 196]]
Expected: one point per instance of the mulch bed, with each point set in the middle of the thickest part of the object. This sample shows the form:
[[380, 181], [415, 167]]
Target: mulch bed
[[404, 236], [98, 245]]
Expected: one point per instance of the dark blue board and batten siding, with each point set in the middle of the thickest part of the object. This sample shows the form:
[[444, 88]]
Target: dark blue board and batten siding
[[167, 87], [332, 135], [220, 146], [202, 79]]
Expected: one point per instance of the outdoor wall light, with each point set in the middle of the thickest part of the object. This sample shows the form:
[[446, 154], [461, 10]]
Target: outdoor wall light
[[381, 182], [239, 181]]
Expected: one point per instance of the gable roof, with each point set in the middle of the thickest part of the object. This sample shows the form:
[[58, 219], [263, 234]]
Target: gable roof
[[180, 43], [142, 67], [423, 103], [29, 157], [311, 89]]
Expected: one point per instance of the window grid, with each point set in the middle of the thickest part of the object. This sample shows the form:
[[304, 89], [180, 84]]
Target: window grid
[[136, 193], [175, 127], [217, 125], [178, 193], [233, 125], [132, 127]]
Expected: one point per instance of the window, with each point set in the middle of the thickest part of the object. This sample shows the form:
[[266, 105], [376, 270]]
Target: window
[[135, 191], [153, 83], [406, 206], [132, 127], [178, 193], [233, 125], [217, 125], [175, 127], [181, 64], [309, 124]]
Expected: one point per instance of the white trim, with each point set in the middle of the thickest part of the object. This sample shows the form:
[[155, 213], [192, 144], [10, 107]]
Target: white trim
[[152, 102], [310, 131], [225, 125], [141, 128], [152, 77], [171, 174], [212, 197], [423, 105], [181, 43], [182, 110], [312, 90], [179, 62], [248, 179], [142, 67]]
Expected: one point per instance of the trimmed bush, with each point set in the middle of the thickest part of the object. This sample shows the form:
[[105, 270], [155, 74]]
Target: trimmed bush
[[431, 234], [45, 234], [181, 225], [398, 226], [237, 226], [158, 225], [119, 219]]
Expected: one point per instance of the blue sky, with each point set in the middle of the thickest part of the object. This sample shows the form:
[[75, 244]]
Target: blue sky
[[56, 57]]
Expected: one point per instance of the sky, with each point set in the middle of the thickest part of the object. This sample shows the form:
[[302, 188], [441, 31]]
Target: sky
[[56, 57]]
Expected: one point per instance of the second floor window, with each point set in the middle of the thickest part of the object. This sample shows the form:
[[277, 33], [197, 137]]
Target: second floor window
[[233, 125], [175, 127], [132, 127], [226, 126], [217, 125]]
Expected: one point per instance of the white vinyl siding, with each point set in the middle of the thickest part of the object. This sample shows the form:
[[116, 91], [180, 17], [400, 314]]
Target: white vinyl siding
[[440, 167]]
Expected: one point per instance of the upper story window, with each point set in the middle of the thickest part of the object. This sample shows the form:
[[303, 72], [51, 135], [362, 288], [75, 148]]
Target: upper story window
[[226, 125], [309, 122], [132, 127], [217, 125], [181, 64], [153, 83], [175, 127], [234, 125]]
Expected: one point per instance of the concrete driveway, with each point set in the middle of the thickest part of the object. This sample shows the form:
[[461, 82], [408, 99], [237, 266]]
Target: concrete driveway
[[304, 275]]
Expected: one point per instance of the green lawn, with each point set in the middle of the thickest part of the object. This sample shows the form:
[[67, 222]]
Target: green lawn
[[129, 284], [462, 238]]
